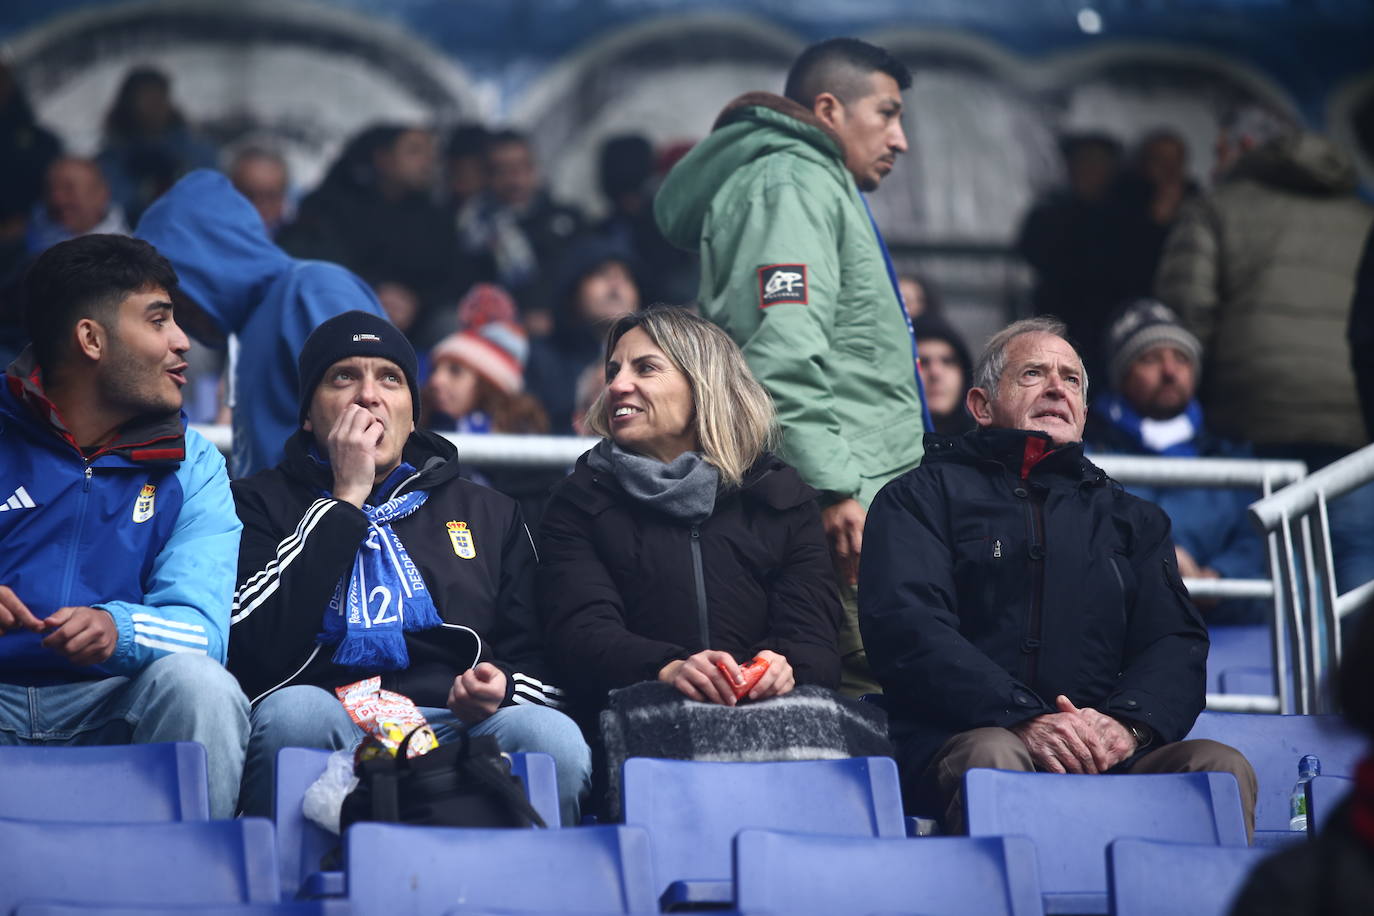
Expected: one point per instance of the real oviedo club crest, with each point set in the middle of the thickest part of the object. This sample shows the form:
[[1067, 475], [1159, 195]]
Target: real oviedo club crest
[[461, 537], [143, 506]]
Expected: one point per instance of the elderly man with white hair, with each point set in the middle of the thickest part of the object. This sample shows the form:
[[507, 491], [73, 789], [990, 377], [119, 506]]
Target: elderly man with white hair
[[1022, 611]]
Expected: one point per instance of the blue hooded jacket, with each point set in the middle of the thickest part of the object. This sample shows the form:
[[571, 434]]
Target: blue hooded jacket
[[144, 528], [252, 289]]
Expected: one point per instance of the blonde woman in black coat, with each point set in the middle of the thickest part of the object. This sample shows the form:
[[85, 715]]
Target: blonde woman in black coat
[[680, 548]]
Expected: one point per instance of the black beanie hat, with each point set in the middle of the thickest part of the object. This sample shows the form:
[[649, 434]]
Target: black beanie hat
[[354, 334]]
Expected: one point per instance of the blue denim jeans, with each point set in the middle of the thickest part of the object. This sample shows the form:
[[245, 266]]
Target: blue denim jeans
[[306, 716], [179, 697]]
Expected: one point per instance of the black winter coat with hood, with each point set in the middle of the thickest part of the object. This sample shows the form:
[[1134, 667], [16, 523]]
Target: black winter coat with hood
[[1002, 573], [299, 542], [618, 582]]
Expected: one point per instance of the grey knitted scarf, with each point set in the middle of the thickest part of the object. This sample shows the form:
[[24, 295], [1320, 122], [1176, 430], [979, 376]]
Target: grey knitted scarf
[[684, 488]]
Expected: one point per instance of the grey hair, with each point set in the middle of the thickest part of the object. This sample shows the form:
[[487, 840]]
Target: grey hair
[[987, 372], [733, 414]]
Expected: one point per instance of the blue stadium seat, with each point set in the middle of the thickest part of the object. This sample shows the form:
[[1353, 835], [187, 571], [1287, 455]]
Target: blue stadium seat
[[1247, 679], [302, 843], [1237, 647], [693, 811], [194, 863], [116, 784], [809, 875], [1273, 745], [293, 908], [1073, 818], [1324, 795], [1150, 878], [393, 868]]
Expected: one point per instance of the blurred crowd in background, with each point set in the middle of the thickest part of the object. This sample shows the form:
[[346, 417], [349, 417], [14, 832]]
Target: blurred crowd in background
[[506, 290]]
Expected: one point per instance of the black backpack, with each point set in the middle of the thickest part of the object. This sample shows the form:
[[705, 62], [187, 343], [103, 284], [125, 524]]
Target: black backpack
[[464, 783]]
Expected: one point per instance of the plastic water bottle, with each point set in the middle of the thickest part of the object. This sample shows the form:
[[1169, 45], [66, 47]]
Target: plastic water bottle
[[1308, 767]]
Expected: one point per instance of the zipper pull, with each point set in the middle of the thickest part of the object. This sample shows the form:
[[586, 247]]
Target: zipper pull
[[87, 486], [997, 549]]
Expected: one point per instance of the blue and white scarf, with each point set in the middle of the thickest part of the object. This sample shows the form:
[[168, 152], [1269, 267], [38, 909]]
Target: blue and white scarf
[[1176, 438], [384, 596]]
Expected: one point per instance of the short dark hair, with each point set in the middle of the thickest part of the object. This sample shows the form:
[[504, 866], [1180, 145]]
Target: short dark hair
[[841, 66], [86, 277]]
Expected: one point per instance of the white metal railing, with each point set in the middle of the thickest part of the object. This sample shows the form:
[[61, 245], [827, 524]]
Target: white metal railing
[[1297, 524], [1231, 472], [480, 449]]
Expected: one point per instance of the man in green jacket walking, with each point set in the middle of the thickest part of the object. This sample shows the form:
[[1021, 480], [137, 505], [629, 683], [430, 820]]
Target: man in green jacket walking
[[794, 269]]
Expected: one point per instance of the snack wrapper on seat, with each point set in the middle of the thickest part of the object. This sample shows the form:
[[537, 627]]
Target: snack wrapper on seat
[[386, 717]]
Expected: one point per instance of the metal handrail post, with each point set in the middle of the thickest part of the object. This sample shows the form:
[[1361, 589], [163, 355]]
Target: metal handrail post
[[1328, 605], [1295, 621], [1279, 650], [1316, 658]]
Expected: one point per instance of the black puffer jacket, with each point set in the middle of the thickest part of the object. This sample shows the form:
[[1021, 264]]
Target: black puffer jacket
[[298, 543], [1000, 574], [617, 581]]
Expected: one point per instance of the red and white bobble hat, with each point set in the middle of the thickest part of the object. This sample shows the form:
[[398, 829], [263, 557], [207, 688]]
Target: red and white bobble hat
[[497, 351]]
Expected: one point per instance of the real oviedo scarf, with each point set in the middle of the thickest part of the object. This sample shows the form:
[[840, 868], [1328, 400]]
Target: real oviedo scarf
[[384, 595]]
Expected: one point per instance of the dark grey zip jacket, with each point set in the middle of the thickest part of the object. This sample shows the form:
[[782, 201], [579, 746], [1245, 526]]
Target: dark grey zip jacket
[[619, 587], [1002, 573]]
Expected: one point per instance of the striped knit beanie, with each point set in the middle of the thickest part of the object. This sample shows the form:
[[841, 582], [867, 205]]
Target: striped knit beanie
[[497, 351]]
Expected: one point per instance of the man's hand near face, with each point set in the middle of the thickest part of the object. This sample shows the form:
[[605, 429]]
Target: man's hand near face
[[352, 446]]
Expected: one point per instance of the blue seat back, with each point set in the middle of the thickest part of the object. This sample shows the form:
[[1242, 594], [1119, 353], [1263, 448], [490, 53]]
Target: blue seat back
[[1274, 745], [805, 874], [1324, 795], [292, 908], [539, 773], [1073, 818], [694, 809], [1247, 646], [394, 868], [1246, 679], [302, 843], [111, 784], [198, 862], [1150, 878]]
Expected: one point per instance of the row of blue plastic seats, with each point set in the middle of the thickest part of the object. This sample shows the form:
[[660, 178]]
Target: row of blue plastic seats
[[1196, 807], [693, 810], [162, 785], [220, 865]]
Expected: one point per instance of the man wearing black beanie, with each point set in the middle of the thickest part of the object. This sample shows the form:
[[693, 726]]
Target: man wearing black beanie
[[365, 554]]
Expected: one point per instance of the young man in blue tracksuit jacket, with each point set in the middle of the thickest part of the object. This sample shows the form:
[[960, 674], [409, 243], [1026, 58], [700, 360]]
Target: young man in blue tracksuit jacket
[[249, 288], [119, 532]]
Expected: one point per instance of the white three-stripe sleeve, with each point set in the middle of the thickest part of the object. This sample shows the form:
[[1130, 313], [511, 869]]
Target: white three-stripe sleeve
[[531, 691], [264, 583]]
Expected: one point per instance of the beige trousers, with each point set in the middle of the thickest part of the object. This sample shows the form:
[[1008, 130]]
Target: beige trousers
[[1000, 749]]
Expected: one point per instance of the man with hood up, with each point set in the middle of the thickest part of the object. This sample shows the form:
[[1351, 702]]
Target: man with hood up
[[249, 288], [794, 269]]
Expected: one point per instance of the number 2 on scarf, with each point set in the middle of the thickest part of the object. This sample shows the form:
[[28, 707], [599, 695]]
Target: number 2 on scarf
[[380, 617]]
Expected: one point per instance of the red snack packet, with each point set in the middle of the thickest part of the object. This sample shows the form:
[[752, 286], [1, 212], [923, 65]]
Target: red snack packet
[[387, 718], [749, 673]]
